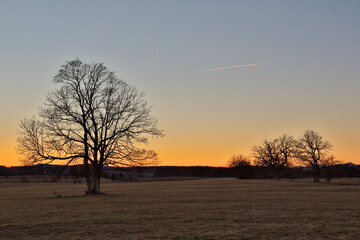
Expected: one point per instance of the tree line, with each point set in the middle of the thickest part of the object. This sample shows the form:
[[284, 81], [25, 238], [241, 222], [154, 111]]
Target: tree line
[[309, 149]]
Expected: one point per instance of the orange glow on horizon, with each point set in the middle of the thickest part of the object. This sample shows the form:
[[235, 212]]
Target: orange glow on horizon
[[8, 155], [171, 156], [199, 147]]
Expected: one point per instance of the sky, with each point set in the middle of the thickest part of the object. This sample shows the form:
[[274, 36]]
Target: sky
[[296, 67]]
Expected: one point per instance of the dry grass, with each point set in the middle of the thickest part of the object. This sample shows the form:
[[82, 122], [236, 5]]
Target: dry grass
[[194, 209]]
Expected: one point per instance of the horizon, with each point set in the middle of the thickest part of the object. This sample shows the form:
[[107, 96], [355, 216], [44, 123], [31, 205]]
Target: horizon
[[220, 76], [252, 164]]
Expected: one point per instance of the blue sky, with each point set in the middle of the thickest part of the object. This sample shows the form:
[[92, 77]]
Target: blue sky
[[310, 81]]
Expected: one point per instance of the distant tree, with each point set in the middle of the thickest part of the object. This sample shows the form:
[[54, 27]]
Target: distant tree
[[275, 154], [239, 161], [313, 151], [286, 145], [93, 118], [329, 164]]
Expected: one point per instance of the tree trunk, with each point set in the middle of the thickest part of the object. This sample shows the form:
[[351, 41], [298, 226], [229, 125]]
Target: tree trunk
[[96, 185], [93, 185], [87, 173], [95, 180], [88, 183], [316, 174], [88, 179]]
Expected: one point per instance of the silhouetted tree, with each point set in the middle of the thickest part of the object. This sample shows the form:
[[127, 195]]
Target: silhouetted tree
[[328, 164], [312, 150], [286, 144], [240, 166], [275, 154], [93, 118], [239, 161]]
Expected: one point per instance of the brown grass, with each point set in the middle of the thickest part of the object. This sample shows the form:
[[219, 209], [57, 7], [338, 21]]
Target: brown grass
[[194, 209]]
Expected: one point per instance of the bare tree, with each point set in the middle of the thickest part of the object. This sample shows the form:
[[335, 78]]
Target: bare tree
[[93, 118], [313, 150], [275, 154], [266, 154], [239, 161], [329, 164], [286, 145]]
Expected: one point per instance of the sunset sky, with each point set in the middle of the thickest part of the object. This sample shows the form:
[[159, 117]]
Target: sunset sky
[[221, 75]]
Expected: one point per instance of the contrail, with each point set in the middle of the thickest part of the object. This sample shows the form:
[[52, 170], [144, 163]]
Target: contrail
[[239, 66]]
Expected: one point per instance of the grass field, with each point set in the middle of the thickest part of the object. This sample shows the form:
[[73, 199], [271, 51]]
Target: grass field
[[193, 209]]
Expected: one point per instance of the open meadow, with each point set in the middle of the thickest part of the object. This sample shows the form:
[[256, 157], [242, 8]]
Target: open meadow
[[221, 208]]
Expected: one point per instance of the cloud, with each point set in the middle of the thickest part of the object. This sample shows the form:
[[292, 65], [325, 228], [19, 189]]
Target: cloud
[[238, 66]]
